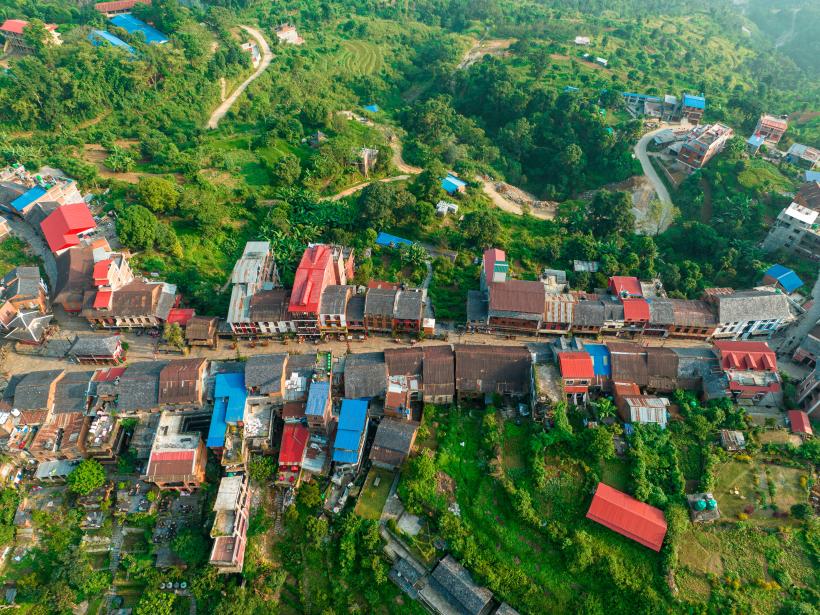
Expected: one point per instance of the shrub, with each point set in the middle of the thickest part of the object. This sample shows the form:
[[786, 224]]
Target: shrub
[[742, 516]]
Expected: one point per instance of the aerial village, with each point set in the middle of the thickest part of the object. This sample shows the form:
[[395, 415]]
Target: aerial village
[[330, 380]]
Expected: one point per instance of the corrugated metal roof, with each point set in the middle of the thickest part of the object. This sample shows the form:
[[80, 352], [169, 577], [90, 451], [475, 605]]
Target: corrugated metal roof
[[318, 396], [624, 514]]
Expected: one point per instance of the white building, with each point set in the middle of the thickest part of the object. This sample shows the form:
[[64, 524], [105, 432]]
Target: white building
[[288, 35], [796, 228], [582, 40], [749, 313]]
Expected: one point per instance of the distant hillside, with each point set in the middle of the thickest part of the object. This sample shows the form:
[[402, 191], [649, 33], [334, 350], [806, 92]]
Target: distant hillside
[[793, 27]]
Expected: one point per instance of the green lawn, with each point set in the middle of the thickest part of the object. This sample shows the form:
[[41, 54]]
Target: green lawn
[[372, 500], [13, 253]]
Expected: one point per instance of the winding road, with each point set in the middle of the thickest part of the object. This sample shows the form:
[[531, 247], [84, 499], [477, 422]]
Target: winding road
[[267, 56], [651, 173]]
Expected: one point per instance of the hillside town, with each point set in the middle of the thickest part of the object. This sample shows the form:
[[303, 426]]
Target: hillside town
[[404, 388]]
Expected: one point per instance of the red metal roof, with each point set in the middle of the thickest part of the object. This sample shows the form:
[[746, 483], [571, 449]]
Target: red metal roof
[[294, 442], [63, 225], [624, 514], [624, 284], [314, 273], [622, 389], [180, 316], [102, 300], [108, 375], [16, 26], [101, 271], [636, 310], [491, 257], [576, 365], [800, 422], [753, 356], [118, 5]]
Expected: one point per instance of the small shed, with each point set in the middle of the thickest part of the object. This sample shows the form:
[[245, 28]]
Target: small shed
[[800, 424], [452, 184], [732, 440], [783, 278], [703, 507]]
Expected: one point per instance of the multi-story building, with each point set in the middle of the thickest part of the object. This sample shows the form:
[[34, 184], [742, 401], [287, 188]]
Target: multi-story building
[[748, 313], [750, 370], [103, 437], [351, 432], [808, 393], [577, 374], [178, 457], [24, 308], [771, 128], [702, 143], [287, 34], [318, 410], [803, 156], [58, 191], [796, 229], [321, 266], [232, 508], [181, 384], [333, 308], [252, 274], [692, 107]]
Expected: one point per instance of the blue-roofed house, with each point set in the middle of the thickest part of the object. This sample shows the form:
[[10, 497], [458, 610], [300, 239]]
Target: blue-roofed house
[[386, 240], [452, 184], [132, 25], [350, 434], [693, 107], [22, 203], [101, 37], [319, 409], [754, 142], [601, 365], [216, 432], [783, 278], [812, 176], [372, 108], [230, 390]]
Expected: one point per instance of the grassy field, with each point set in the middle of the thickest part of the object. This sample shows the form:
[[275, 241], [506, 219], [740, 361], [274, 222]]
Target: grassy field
[[372, 500], [360, 58], [13, 253], [752, 481]]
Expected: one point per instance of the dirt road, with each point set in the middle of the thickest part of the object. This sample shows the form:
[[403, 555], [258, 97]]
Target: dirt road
[[652, 175], [493, 46], [267, 56], [357, 187]]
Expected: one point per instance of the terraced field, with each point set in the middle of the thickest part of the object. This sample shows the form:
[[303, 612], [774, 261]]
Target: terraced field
[[360, 58]]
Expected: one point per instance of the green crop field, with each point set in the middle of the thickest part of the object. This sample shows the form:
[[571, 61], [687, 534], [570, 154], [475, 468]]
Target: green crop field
[[360, 58]]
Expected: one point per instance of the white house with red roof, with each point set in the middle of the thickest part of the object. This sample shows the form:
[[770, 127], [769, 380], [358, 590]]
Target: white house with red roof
[[66, 225], [13, 31]]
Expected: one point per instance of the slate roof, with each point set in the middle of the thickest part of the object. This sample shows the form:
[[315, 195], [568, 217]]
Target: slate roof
[[22, 282], [32, 390], [409, 305], [264, 372], [588, 314], [334, 299], [380, 302], [74, 276], [365, 375], [95, 345], [404, 361], [71, 392], [460, 588], [395, 435], [752, 305], [438, 370], [355, 309], [661, 311], [138, 388], [492, 369]]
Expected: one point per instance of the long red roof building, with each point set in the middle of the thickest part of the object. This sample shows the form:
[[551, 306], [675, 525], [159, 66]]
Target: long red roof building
[[314, 274], [629, 517]]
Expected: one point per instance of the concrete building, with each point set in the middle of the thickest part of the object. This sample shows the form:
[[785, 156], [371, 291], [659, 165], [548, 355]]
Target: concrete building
[[702, 143], [748, 313], [321, 266], [254, 273], [771, 128], [232, 508], [803, 156], [796, 229], [287, 34], [808, 393], [178, 457]]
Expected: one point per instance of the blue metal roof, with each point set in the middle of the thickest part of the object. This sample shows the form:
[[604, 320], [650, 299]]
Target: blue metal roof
[[787, 278], [231, 388], [372, 108], [452, 184], [391, 241], [756, 140], [216, 433], [99, 37], [352, 422], [317, 398], [697, 102], [813, 176], [131, 24], [601, 365], [28, 197]]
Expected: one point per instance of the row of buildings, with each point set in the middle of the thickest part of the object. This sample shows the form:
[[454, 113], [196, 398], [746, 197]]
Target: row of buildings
[[323, 299], [628, 307], [667, 108]]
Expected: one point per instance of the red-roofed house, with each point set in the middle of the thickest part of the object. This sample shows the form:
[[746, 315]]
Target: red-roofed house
[[12, 29], [625, 287], [576, 373], [295, 437], [494, 267], [64, 226], [800, 424], [180, 316], [118, 6], [321, 266], [771, 128], [636, 312], [629, 517], [751, 372]]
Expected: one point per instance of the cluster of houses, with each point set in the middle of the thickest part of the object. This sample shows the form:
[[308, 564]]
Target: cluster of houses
[[667, 108], [628, 307]]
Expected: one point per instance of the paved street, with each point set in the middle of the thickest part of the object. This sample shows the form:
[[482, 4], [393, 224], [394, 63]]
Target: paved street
[[651, 174]]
